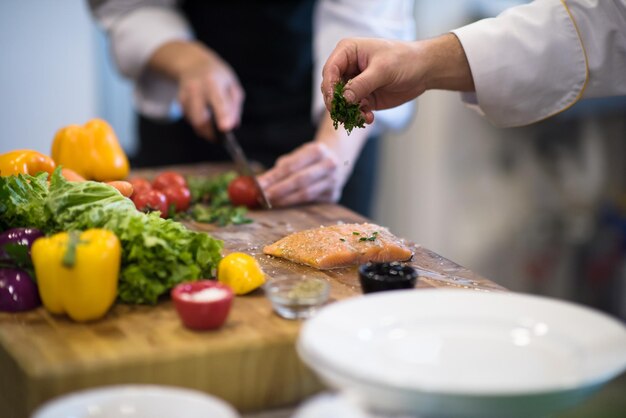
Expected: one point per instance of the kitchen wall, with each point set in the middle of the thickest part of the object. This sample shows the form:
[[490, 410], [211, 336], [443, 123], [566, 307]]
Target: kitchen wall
[[53, 72]]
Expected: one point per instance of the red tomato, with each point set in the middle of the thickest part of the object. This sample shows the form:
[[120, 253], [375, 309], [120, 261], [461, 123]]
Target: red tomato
[[178, 196], [140, 185], [242, 191], [151, 200], [167, 179]]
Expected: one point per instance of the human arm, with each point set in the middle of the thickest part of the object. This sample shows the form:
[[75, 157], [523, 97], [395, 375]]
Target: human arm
[[204, 81], [153, 45], [383, 74], [544, 56], [529, 63], [318, 170]]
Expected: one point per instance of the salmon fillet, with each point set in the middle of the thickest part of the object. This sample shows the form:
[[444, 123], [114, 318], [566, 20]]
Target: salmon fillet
[[343, 245]]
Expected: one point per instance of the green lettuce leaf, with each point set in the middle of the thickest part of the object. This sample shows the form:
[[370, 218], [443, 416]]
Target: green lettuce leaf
[[157, 253]]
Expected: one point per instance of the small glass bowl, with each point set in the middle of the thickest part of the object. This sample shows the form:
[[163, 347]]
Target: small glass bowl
[[377, 277], [297, 297]]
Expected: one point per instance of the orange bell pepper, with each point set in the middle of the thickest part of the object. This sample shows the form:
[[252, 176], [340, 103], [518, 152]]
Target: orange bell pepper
[[25, 161], [91, 150]]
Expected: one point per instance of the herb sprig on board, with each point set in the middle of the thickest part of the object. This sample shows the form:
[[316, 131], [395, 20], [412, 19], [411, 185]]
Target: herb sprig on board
[[348, 114], [211, 204]]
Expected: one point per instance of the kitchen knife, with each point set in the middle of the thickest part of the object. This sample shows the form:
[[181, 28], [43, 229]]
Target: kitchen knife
[[242, 165]]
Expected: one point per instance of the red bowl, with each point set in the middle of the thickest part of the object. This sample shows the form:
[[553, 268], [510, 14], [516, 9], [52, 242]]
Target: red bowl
[[201, 314]]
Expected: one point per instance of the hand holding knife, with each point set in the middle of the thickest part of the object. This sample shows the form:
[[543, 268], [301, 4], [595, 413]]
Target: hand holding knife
[[242, 165]]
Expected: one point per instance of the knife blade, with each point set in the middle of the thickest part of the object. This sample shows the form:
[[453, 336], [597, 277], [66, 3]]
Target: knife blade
[[230, 142]]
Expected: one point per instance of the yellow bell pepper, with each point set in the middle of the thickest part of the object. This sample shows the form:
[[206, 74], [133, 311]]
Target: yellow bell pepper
[[92, 151], [77, 272], [25, 161], [241, 272]]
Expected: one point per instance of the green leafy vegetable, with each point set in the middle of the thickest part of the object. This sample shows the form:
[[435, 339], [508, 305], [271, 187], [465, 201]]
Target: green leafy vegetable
[[345, 113], [157, 253], [211, 201]]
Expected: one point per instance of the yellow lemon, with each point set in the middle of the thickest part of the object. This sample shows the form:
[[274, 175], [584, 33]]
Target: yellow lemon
[[241, 272]]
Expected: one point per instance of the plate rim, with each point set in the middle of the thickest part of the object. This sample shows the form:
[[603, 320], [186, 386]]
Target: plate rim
[[312, 360], [50, 405]]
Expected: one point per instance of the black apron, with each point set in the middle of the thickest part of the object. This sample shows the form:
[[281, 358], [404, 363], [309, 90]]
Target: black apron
[[269, 46]]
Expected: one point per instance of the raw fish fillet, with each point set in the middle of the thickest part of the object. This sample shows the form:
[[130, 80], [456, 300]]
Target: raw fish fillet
[[343, 245]]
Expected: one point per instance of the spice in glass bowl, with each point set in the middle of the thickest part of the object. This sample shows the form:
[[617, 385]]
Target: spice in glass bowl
[[297, 297]]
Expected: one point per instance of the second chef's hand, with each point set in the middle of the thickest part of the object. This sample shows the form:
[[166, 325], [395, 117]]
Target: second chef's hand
[[315, 171]]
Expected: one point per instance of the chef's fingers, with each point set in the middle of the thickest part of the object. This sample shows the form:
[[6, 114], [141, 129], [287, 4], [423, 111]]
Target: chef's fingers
[[366, 109], [300, 182], [192, 100], [237, 97], [340, 65], [225, 110], [286, 165], [312, 193], [364, 84]]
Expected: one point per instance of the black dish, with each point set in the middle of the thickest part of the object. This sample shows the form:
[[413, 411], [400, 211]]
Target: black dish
[[377, 277]]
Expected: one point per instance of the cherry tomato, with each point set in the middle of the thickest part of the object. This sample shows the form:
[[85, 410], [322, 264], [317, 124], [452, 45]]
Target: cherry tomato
[[242, 191], [151, 200], [178, 196], [167, 179], [140, 185]]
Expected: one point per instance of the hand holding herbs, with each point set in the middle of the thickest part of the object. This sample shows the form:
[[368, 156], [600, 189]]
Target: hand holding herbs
[[348, 114]]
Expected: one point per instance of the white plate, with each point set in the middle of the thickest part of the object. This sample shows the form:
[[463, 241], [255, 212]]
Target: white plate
[[136, 401], [463, 353]]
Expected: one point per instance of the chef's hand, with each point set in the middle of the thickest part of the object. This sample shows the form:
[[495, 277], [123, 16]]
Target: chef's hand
[[317, 170], [382, 73], [204, 81]]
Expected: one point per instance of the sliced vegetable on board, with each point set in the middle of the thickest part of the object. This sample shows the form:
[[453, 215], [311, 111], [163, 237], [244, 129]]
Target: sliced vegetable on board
[[242, 191]]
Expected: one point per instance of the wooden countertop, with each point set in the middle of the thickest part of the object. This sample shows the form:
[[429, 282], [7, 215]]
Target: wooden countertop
[[251, 362]]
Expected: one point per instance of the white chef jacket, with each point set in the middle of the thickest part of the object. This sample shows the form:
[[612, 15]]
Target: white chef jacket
[[138, 27], [536, 60]]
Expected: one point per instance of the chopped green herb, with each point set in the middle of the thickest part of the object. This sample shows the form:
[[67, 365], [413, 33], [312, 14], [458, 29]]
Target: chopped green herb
[[356, 233], [372, 238], [348, 114], [342, 239], [211, 203]]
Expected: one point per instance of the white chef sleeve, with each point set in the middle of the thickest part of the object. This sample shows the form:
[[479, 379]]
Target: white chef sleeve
[[136, 28], [536, 60], [338, 19]]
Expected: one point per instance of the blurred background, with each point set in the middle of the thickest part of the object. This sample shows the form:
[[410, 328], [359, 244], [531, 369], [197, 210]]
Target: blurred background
[[540, 209]]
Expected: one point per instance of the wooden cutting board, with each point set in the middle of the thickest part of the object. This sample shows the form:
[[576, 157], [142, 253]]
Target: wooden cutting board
[[251, 362]]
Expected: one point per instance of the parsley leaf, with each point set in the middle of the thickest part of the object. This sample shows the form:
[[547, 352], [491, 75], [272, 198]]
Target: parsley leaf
[[348, 114]]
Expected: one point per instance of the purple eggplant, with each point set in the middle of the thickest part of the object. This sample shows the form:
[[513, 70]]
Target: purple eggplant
[[16, 238], [18, 291]]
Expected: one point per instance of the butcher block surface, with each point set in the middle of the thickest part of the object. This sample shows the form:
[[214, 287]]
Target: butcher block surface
[[251, 362]]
